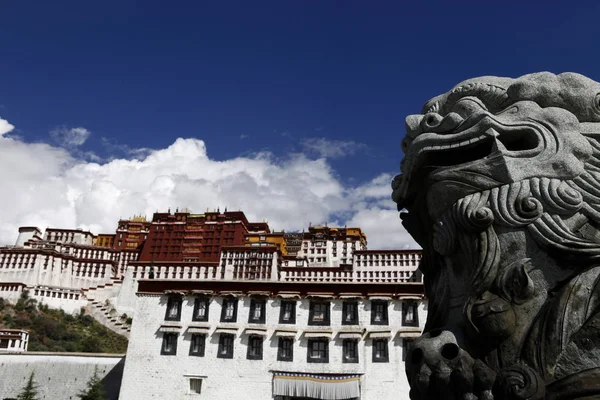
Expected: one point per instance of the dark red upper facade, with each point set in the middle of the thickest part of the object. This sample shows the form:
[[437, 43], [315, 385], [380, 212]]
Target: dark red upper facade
[[184, 236]]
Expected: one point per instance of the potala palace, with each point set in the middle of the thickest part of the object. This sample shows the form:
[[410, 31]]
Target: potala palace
[[224, 308]]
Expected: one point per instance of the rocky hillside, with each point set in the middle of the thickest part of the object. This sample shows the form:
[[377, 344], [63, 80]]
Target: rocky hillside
[[56, 331]]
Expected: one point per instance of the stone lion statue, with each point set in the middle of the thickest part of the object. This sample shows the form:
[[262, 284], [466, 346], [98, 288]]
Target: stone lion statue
[[500, 185]]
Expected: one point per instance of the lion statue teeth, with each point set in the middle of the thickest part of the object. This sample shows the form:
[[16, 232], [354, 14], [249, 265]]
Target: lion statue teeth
[[500, 185]]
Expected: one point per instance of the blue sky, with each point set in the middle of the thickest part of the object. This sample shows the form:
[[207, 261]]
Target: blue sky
[[330, 79]]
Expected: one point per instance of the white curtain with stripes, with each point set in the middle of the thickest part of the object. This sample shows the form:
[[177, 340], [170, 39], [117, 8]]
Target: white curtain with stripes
[[317, 386]]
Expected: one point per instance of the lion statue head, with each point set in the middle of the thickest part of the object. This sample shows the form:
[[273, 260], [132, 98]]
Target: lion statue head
[[500, 185]]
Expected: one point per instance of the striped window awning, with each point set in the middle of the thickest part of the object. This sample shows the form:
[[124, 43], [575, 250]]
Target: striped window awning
[[409, 334], [259, 293], [350, 296], [198, 329], [320, 295], [256, 332], [318, 334], [350, 335], [290, 334], [169, 328], [316, 386], [380, 296], [230, 330], [380, 334], [289, 295]]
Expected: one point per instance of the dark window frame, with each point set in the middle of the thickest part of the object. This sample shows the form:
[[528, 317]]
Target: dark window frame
[[292, 319], [254, 303], [174, 301], [163, 347], [227, 300], [354, 319], [283, 353], [350, 346], [226, 342], [405, 307], [327, 313], [381, 344], [310, 354], [375, 304], [201, 337], [255, 347], [197, 302]]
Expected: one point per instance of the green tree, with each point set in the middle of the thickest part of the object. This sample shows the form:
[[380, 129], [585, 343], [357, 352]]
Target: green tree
[[95, 389], [29, 392]]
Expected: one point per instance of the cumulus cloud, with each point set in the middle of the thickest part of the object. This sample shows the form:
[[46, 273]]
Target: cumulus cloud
[[327, 148], [54, 187], [5, 127], [70, 137]]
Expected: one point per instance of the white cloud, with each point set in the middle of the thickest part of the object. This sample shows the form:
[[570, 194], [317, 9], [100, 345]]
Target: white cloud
[[244, 136], [5, 127], [70, 137], [326, 148], [49, 186]]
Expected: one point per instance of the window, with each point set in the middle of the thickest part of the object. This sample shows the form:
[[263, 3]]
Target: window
[[318, 351], [257, 312], [169, 344], [197, 345], [318, 313], [287, 313], [410, 316], [225, 346], [349, 313], [380, 350], [255, 348], [200, 309], [173, 309], [350, 348], [229, 310], [285, 349], [379, 312], [195, 385]]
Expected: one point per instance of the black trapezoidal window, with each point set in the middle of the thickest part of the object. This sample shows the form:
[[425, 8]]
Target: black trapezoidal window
[[257, 311], [380, 350], [255, 348], [350, 351], [229, 310], [410, 315], [173, 308], [318, 351], [197, 345], [225, 346], [201, 308], [349, 313], [169, 344], [285, 349], [379, 312], [318, 313], [287, 312]]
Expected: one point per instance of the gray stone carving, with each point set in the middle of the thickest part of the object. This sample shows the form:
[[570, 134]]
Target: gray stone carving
[[501, 187]]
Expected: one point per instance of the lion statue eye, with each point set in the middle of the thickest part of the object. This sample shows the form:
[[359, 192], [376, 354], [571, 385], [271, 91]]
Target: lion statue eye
[[597, 102]]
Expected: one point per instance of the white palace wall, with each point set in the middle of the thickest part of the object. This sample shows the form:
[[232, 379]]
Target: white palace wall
[[150, 375]]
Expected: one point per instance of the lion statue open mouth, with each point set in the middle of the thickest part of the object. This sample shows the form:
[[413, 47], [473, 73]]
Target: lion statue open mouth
[[500, 185]]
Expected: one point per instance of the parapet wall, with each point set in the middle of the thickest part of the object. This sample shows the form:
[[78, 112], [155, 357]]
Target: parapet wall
[[59, 375]]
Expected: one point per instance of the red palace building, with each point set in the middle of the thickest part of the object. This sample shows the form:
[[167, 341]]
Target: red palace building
[[188, 237]]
